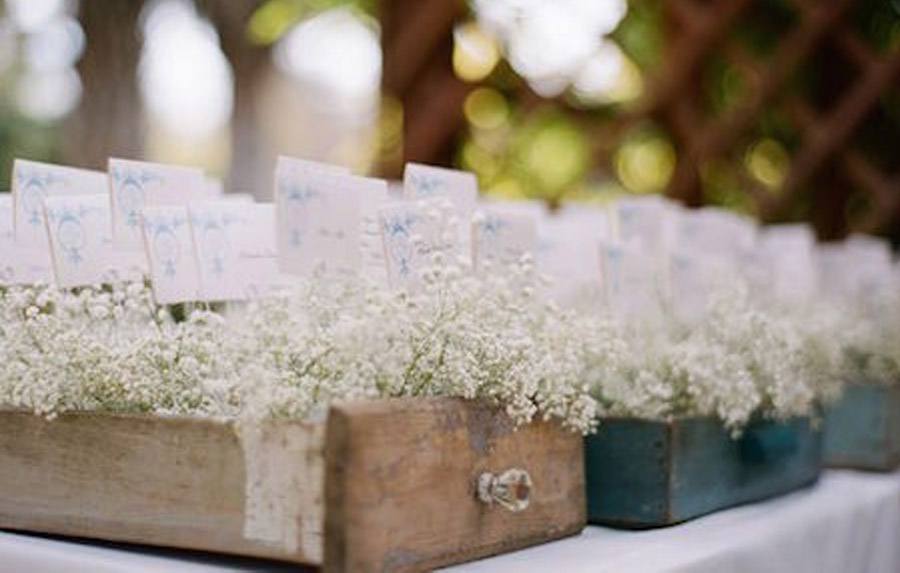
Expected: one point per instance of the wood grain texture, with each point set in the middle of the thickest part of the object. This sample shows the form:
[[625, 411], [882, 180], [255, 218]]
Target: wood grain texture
[[647, 474], [401, 488], [862, 431], [168, 481]]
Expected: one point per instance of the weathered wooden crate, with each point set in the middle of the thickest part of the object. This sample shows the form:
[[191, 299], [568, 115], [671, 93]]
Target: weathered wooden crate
[[862, 430], [387, 485], [647, 474]]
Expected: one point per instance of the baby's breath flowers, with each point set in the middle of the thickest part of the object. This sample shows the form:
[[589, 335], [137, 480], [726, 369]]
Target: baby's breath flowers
[[476, 337], [484, 335], [871, 352], [737, 363], [473, 336]]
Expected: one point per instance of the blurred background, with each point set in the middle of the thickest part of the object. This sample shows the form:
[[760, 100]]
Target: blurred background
[[786, 109]]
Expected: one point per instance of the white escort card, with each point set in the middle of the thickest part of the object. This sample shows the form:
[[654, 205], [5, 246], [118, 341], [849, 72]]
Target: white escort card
[[19, 265], [300, 187], [875, 274], [502, 237], [425, 182], [691, 278], [137, 184], [235, 250], [327, 220], [170, 251], [567, 254], [649, 222], [213, 230], [80, 232], [715, 232], [787, 254], [631, 281], [32, 182], [413, 233], [257, 250]]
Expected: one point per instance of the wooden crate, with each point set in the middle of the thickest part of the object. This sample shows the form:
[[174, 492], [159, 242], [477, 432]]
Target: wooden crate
[[862, 430], [647, 474], [394, 484]]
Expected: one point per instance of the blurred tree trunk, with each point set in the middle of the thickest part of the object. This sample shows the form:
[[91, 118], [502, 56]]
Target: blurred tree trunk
[[109, 120], [248, 63]]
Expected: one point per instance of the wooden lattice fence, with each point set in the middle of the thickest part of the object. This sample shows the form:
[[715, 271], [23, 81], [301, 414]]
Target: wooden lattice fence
[[834, 91]]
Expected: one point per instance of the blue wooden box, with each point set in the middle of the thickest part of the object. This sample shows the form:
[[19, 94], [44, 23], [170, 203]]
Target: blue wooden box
[[862, 430], [646, 474]]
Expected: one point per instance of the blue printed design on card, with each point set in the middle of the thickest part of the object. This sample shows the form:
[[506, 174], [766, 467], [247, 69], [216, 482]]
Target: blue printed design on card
[[425, 186], [215, 246], [493, 226], [32, 188], [130, 187], [297, 197], [166, 243], [398, 231], [71, 235]]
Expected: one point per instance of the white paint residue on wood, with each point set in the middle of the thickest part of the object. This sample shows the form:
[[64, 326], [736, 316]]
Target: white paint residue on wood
[[284, 468]]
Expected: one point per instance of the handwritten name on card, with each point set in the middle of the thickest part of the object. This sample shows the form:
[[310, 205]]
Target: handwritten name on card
[[413, 235], [174, 274], [32, 182], [502, 238], [257, 253], [235, 249], [137, 184], [80, 233], [300, 196], [328, 221]]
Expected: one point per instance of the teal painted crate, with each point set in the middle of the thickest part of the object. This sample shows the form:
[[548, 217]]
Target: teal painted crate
[[647, 474], [862, 430]]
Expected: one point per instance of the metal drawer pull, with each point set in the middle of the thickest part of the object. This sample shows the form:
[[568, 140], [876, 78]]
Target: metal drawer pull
[[511, 489]]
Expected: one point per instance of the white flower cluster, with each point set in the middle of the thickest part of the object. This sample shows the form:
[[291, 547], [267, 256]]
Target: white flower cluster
[[106, 349], [480, 335], [736, 363], [471, 336], [871, 353]]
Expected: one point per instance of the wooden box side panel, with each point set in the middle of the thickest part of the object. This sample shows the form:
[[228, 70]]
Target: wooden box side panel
[[401, 484], [712, 471], [174, 482], [627, 473], [863, 429]]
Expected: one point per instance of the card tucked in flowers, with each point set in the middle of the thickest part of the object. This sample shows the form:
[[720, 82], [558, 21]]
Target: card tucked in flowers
[[302, 405]]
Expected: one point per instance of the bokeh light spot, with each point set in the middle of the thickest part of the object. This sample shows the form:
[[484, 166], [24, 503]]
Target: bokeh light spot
[[486, 108], [645, 162], [475, 53], [767, 161]]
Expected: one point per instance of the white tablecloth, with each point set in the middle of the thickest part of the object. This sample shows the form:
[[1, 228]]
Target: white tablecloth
[[848, 523]]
